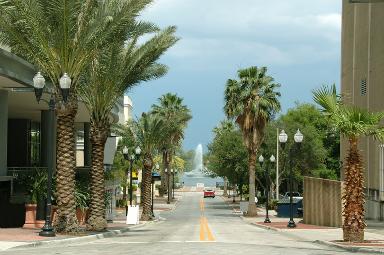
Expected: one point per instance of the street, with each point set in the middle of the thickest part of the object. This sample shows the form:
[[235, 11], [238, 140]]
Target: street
[[196, 226]]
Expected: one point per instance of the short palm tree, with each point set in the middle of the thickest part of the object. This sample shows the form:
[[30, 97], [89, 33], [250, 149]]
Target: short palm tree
[[115, 70], [146, 132], [175, 116], [352, 122], [252, 101], [63, 36]]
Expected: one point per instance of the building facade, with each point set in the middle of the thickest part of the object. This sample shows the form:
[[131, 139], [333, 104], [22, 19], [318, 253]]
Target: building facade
[[24, 124], [362, 84]]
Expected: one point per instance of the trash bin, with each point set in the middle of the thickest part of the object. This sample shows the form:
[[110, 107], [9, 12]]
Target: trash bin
[[283, 207]]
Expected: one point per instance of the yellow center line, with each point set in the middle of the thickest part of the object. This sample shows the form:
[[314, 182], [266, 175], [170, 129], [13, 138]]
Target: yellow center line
[[205, 231], [202, 234], [209, 233]]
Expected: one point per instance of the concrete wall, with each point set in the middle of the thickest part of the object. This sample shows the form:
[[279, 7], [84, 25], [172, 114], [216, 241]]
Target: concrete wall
[[322, 204], [363, 64]]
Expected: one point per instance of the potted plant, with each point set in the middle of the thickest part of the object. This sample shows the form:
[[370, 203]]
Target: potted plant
[[82, 200], [36, 185]]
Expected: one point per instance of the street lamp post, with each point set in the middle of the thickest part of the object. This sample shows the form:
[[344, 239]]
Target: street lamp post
[[261, 161], [39, 84], [298, 138], [153, 189], [131, 159], [168, 190], [174, 172], [272, 160]]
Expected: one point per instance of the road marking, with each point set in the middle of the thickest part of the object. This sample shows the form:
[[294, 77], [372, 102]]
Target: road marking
[[171, 242], [121, 242], [205, 231], [209, 233], [199, 241], [202, 235]]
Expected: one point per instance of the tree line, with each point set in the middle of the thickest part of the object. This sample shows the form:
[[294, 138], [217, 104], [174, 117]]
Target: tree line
[[251, 105]]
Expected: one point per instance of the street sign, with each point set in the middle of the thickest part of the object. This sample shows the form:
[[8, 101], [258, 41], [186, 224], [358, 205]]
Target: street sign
[[135, 175], [133, 215], [155, 177]]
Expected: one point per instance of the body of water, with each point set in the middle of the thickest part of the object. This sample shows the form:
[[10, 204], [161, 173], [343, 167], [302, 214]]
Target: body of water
[[191, 181]]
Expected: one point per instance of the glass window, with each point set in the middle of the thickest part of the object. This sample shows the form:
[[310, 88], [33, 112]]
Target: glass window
[[34, 144]]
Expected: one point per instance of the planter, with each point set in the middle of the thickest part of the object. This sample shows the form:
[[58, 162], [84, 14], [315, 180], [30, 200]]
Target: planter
[[81, 215], [30, 217]]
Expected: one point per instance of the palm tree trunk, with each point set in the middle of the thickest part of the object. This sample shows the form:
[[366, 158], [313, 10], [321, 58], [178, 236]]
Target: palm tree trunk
[[146, 189], [96, 220], [353, 197], [66, 220], [225, 192], [252, 209]]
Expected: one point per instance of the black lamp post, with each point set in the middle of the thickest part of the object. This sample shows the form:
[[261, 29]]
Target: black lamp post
[[153, 189], [174, 172], [298, 138], [39, 84], [261, 161], [131, 160], [168, 189]]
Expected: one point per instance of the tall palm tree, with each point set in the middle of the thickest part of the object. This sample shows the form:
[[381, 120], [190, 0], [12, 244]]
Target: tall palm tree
[[175, 116], [63, 36], [352, 122], [113, 71], [252, 101], [147, 134]]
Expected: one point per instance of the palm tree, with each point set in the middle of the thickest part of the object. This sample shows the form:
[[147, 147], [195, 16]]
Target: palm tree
[[63, 36], [352, 122], [147, 134], [175, 116], [252, 101], [115, 70]]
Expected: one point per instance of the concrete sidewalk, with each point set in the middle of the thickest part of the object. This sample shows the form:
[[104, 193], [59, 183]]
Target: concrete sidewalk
[[374, 238], [19, 237]]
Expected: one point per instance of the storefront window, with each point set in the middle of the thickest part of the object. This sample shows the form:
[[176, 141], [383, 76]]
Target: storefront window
[[34, 143]]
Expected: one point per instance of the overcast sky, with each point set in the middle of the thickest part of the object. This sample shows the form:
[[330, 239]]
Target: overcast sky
[[298, 40]]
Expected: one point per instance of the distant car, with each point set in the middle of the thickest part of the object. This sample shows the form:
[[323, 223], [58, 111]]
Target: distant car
[[209, 193], [294, 195]]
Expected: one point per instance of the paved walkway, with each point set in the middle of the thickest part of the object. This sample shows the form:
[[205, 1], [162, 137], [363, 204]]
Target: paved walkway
[[374, 234], [196, 226], [14, 237], [209, 226]]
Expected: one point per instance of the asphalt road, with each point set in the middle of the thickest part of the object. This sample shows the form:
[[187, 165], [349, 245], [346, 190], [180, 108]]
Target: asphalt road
[[197, 226]]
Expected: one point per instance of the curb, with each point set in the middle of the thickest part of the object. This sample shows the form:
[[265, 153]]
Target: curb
[[349, 248], [71, 240], [261, 225]]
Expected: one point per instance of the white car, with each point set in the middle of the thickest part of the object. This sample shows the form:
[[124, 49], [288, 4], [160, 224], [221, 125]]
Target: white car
[[294, 195]]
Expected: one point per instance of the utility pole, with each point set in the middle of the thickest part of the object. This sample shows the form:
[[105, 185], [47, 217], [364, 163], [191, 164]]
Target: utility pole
[[277, 163]]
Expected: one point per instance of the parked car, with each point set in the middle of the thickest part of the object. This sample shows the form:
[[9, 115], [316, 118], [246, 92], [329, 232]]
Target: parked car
[[294, 195], [208, 192]]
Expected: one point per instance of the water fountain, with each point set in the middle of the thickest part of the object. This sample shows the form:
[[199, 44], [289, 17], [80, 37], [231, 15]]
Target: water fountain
[[197, 163], [197, 177]]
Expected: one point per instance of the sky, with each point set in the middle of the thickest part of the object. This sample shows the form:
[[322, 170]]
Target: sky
[[298, 40]]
